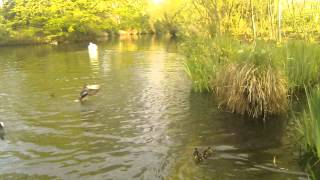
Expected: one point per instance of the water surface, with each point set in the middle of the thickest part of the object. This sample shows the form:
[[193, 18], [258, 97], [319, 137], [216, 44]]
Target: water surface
[[143, 124]]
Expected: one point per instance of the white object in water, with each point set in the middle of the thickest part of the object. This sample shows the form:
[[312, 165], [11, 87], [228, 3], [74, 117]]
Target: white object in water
[[93, 87], [93, 51], [1, 125], [92, 46]]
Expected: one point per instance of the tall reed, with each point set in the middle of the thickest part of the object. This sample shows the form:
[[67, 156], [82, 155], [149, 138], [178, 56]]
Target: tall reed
[[204, 56], [309, 125], [302, 64], [309, 129]]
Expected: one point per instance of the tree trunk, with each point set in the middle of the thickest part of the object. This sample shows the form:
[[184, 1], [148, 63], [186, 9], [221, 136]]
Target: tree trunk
[[279, 20], [218, 28], [270, 13], [253, 22]]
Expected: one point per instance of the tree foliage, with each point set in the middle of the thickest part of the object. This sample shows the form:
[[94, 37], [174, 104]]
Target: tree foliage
[[60, 20], [71, 20]]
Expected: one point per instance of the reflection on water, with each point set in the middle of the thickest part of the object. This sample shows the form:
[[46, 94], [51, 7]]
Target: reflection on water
[[93, 56], [143, 124]]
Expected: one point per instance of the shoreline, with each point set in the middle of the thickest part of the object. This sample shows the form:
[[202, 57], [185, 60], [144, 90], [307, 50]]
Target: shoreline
[[119, 35]]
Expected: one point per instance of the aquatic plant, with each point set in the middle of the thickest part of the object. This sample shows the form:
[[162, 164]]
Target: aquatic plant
[[252, 84], [309, 129], [204, 55], [302, 64], [254, 79], [309, 125]]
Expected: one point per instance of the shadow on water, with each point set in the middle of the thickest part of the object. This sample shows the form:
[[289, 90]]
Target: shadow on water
[[244, 148]]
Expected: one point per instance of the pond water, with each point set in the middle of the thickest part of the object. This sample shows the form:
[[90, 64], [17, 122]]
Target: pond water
[[143, 124]]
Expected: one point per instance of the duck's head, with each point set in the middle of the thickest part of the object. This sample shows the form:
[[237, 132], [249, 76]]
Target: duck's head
[[195, 152], [1, 125]]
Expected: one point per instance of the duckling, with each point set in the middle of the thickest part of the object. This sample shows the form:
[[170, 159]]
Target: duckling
[[197, 155], [207, 153], [2, 133], [88, 90]]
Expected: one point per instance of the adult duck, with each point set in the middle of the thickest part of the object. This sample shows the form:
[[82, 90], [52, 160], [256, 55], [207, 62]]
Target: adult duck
[[89, 90], [93, 51], [92, 47], [2, 132]]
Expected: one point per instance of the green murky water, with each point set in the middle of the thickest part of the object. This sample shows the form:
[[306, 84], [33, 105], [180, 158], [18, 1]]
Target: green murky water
[[143, 124]]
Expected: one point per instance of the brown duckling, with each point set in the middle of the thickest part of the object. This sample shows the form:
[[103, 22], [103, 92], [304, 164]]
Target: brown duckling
[[207, 153], [197, 155]]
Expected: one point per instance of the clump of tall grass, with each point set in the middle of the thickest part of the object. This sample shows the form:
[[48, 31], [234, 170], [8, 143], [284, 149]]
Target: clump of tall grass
[[200, 62], [309, 126], [203, 56], [253, 83], [309, 129], [302, 64], [252, 80]]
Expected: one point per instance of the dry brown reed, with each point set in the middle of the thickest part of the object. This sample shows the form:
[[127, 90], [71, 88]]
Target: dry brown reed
[[248, 88]]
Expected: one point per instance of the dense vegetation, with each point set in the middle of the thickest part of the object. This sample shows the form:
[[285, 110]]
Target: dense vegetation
[[75, 20], [309, 129], [60, 20], [270, 57], [32, 21]]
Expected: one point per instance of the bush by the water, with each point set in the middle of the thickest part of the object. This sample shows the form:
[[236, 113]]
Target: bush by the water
[[252, 84], [252, 79]]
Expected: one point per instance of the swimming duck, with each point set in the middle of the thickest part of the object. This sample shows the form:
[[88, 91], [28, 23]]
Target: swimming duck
[[207, 153], [93, 51], [2, 130], [92, 46], [89, 90], [197, 155]]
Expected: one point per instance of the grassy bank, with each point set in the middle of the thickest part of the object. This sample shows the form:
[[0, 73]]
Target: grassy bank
[[257, 79]]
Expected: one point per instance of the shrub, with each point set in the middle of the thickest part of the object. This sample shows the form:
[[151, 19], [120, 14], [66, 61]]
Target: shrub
[[253, 84]]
